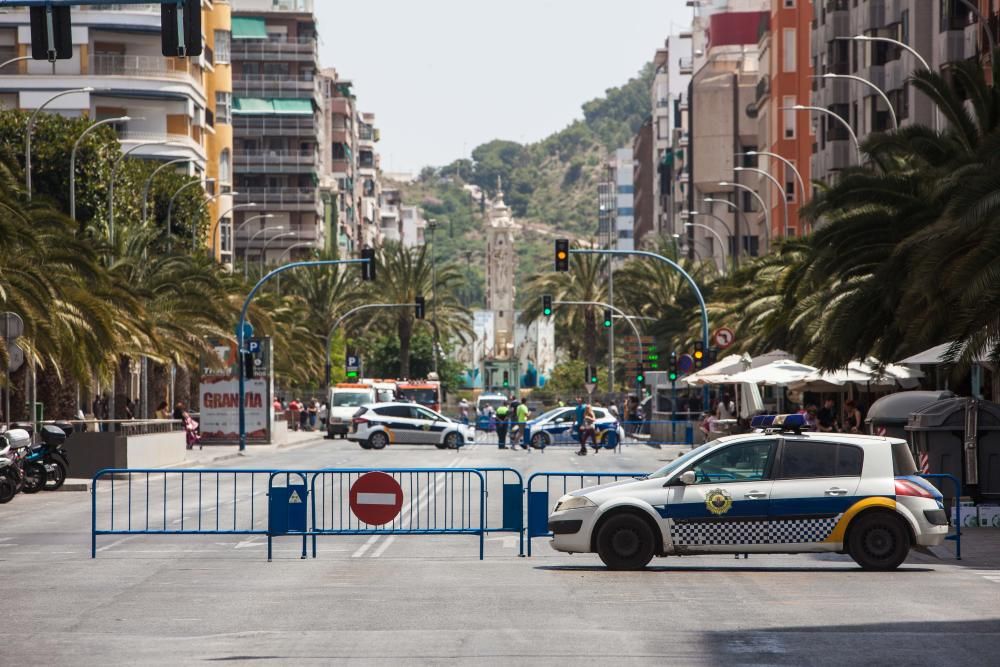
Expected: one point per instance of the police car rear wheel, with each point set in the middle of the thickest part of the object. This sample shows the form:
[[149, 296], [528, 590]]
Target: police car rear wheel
[[453, 441], [625, 542], [878, 541], [378, 440], [539, 441]]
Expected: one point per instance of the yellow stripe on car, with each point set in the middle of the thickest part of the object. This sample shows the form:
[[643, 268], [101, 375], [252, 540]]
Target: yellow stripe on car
[[392, 436], [841, 528]]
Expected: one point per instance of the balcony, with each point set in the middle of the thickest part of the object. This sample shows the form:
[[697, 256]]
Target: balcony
[[763, 89], [279, 126], [285, 162], [273, 85], [302, 49], [285, 199], [144, 66], [686, 66]]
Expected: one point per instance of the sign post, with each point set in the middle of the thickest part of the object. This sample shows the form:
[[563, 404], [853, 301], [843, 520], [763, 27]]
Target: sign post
[[13, 328]]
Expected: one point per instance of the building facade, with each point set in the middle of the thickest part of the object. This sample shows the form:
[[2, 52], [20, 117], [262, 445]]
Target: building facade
[[644, 183]]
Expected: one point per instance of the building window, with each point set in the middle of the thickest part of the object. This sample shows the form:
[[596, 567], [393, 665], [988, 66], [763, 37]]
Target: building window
[[224, 108], [790, 191], [904, 26], [788, 48], [226, 235], [788, 116], [221, 49], [225, 168], [339, 151], [789, 4]]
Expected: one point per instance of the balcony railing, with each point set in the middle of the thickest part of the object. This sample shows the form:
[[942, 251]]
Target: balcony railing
[[272, 84], [301, 48], [277, 160], [141, 66], [274, 125], [297, 198]]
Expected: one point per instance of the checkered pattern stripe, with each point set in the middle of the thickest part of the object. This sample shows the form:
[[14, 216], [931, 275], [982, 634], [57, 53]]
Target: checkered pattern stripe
[[724, 533]]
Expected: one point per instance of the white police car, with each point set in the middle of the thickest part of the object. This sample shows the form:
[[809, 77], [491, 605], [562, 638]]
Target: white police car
[[376, 425], [558, 427], [777, 490]]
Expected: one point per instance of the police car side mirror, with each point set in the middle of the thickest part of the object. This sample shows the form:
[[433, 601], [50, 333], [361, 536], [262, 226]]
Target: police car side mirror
[[687, 477]]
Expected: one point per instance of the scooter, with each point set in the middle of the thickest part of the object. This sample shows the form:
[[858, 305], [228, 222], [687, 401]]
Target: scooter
[[51, 455], [14, 475]]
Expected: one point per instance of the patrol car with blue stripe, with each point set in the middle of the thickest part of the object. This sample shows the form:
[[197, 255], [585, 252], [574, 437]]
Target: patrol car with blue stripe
[[558, 427], [779, 489]]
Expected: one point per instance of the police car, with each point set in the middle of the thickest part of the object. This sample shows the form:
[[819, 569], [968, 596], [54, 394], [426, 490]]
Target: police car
[[558, 427], [776, 490], [376, 425]]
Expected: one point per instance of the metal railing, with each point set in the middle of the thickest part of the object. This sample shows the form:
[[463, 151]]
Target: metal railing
[[274, 85], [141, 66], [279, 160], [279, 197], [275, 49], [274, 125]]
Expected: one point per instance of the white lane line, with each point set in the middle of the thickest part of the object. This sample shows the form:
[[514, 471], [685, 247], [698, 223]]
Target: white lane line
[[382, 547], [116, 543], [365, 547]]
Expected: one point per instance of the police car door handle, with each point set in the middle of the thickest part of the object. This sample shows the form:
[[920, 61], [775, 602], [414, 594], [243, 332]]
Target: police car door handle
[[836, 491], [755, 495]]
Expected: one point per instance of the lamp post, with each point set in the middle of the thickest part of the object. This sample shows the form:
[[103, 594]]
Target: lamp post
[[722, 245], [263, 252], [215, 228], [788, 163], [263, 216], [149, 182], [881, 93], [170, 206], [432, 225], [895, 42], [206, 202], [776, 183], [30, 127], [246, 249], [729, 230], [763, 206], [289, 249], [736, 211], [72, 158], [847, 126], [14, 60], [111, 184]]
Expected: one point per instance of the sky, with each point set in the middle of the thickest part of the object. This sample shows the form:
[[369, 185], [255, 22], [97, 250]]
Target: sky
[[443, 76]]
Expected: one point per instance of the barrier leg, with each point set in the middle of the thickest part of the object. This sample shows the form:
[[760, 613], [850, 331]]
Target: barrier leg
[[314, 545], [269, 547], [304, 538]]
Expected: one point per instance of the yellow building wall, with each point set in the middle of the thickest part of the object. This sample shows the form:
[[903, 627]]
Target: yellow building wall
[[217, 16]]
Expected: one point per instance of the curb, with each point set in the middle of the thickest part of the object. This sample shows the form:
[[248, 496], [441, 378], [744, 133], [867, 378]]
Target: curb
[[74, 486]]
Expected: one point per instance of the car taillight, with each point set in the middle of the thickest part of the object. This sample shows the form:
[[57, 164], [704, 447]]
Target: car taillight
[[360, 420], [905, 487]]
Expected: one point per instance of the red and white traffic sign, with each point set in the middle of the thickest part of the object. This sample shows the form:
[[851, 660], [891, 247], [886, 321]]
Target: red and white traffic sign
[[376, 498], [723, 338]]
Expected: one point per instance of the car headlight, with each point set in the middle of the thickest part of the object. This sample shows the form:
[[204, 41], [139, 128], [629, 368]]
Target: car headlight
[[574, 503]]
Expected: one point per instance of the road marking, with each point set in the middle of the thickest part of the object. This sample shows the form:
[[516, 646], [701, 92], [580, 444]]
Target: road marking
[[364, 547], [988, 575], [116, 543], [382, 547]]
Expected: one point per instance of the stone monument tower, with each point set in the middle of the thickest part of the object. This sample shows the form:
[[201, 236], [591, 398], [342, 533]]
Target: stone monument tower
[[501, 263]]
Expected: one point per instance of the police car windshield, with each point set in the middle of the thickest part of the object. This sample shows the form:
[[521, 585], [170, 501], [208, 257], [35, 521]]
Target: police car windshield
[[351, 400], [550, 413], [680, 463]]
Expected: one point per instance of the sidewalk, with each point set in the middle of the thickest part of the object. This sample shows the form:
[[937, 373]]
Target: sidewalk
[[980, 549]]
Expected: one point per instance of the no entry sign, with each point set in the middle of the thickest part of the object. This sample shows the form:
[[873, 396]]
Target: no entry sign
[[376, 498], [723, 338]]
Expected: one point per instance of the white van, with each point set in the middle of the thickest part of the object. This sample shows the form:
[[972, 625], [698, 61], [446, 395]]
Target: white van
[[345, 399]]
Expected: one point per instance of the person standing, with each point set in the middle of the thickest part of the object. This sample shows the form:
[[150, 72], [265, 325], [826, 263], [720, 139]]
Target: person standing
[[581, 410], [463, 407], [852, 417], [827, 417], [97, 409], [313, 411], [294, 408], [503, 413], [522, 423], [726, 409], [587, 431]]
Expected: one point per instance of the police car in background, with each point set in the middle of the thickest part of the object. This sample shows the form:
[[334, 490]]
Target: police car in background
[[558, 427], [777, 490], [376, 425]]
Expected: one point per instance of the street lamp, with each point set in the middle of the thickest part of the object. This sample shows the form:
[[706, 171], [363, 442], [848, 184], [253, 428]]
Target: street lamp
[[14, 60], [149, 182], [763, 206], [847, 126], [30, 127], [263, 252], [895, 42], [206, 202], [215, 228], [788, 163], [170, 206], [264, 216], [775, 182], [432, 225], [722, 244], [736, 210], [729, 230], [72, 158], [246, 248], [111, 184], [881, 93]]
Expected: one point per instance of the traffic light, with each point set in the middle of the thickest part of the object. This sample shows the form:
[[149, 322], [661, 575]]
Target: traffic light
[[248, 366], [506, 379], [608, 321], [56, 18], [640, 376], [591, 376], [672, 374], [368, 268], [699, 355], [180, 29], [547, 305], [419, 303], [562, 254]]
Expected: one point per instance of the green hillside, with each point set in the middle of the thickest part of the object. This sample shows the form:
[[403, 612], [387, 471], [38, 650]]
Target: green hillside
[[550, 185]]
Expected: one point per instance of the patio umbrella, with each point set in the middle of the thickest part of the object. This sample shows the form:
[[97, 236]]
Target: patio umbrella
[[777, 373]]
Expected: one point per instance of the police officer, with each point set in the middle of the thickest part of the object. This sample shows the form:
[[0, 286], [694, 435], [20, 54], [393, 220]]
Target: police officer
[[503, 416]]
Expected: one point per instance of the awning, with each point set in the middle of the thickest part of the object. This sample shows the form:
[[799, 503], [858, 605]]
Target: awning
[[252, 105], [293, 106], [249, 28], [861, 373], [935, 355], [719, 372]]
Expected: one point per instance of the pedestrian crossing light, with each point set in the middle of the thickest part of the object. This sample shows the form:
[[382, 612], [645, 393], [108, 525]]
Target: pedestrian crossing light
[[591, 376], [562, 254], [608, 318], [418, 302], [368, 268], [506, 379], [672, 374], [640, 376], [547, 305], [699, 354]]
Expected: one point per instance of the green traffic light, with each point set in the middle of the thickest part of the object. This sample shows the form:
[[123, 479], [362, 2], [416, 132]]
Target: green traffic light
[[673, 376], [547, 312]]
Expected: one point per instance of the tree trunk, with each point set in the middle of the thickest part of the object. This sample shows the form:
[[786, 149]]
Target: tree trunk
[[404, 328], [58, 396], [590, 335]]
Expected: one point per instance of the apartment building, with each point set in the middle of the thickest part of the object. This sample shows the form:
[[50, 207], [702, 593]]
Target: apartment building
[[277, 124], [621, 193], [340, 186], [389, 212], [412, 226], [369, 206], [183, 102], [644, 183], [671, 80]]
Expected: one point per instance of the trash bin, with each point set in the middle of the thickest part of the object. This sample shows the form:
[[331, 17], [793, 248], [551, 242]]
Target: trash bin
[[941, 431], [889, 414]]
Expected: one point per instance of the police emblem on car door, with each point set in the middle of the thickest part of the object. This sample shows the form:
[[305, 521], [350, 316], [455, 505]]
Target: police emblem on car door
[[725, 509]]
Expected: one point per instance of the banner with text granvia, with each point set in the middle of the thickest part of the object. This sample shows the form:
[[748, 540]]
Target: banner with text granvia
[[218, 395]]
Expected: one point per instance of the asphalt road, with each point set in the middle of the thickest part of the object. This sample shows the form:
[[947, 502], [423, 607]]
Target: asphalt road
[[184, 599]]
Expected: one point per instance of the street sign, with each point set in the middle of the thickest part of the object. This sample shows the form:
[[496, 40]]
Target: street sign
[[723, 338], [685, 363], [11, 326], [15, 357], [352, 366], [253, 345], [589, 386], [376, 498]]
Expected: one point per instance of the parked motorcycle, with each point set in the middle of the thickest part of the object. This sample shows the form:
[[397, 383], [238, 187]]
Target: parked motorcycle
[[51, 455], [14, 475]]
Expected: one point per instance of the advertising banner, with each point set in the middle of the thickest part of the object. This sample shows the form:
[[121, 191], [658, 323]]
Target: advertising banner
[[219, 395]]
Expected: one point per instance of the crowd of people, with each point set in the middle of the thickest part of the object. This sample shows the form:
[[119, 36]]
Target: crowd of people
[[302, 415]]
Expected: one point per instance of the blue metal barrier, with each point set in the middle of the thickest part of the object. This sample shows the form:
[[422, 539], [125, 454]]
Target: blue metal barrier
[[957, 537], [538, 500], [436, 501], [177, 502], [511, 484], [644, 432]]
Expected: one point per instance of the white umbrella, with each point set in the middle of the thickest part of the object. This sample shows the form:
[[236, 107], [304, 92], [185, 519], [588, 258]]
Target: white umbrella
[[777, 373], [720, 371], [862, 373]]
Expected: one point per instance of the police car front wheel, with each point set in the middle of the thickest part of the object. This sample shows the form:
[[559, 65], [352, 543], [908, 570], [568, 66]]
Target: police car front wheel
[[378, 440], [625, 542], [878, 541]]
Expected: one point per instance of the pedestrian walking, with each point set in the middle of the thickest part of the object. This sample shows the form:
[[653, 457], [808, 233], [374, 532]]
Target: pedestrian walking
[[726, 409], [463, 407], [587, 431], [324, 414], [522, 423], [161, 410], [503, 411], [303, 415], [313, 413]]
